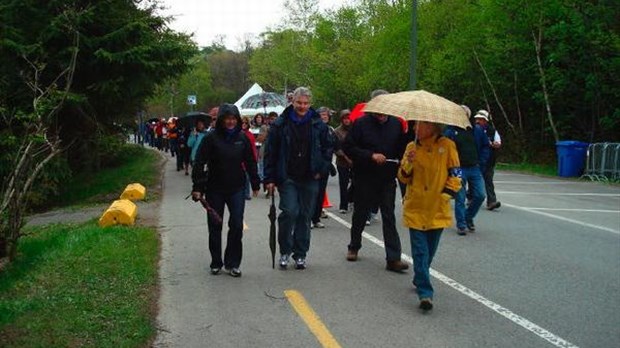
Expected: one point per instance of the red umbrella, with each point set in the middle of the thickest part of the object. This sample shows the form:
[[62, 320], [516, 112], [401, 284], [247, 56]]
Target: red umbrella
[[358, 111]]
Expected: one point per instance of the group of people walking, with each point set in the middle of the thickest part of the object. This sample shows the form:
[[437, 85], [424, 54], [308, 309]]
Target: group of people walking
[[433, 165]]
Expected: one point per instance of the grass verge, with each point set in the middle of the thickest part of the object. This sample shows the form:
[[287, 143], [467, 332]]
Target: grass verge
[[138, 165], [529, 168], [80, 286]]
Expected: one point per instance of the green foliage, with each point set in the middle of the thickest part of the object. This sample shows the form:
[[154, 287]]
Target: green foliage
[[80, 286], [365, 45], [130, 163]]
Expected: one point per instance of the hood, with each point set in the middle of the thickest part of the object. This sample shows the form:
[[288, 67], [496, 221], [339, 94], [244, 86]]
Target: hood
[[225, 110]]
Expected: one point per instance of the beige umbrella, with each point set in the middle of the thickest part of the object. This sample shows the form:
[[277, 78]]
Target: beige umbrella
[[419, 106]]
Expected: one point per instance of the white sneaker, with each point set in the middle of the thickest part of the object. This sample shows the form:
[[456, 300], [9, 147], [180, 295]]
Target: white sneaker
[[300, 263], [318, 225], [284, 261], [343, 211], [367, 222]]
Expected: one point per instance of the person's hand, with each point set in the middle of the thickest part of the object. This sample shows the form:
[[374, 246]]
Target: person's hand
[[410, 156], [378, 158], [196, 196], [496, 144], [269, 187], [255, 193]]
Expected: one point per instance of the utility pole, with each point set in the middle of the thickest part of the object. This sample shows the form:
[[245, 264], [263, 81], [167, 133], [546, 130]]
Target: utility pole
[[414, 45]]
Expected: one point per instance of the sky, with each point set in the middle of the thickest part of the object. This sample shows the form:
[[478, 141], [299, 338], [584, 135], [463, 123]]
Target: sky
[[235, 19]]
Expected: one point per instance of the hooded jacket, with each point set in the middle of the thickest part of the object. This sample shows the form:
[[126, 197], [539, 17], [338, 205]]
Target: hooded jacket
[[432, 178], [278, 146], [223, 157]]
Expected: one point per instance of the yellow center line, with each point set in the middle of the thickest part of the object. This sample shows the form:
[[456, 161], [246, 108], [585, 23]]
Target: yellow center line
[[311, 319]]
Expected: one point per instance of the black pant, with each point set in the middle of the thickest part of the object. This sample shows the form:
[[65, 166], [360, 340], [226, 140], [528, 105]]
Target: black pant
[[234, 248], [367, 195], [489, 171], [344, 177], [316, 216]]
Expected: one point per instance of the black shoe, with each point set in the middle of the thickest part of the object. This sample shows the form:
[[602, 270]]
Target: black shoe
[[471, 227], [216, 270], [494, 205], [235, 272], [300, 263], [426, 304], [461, 232]]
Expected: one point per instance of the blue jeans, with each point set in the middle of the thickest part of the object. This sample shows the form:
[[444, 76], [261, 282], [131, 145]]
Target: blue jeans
[[297, 201], [234, 248], [473, 178], [423, 247]]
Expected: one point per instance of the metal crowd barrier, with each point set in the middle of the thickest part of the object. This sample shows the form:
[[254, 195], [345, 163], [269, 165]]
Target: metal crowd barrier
[[603, 162]]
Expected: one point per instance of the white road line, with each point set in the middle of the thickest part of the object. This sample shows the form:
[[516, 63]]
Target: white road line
[[559, 193], [538, 182], [505, 312], [578, 210], [576, 222]]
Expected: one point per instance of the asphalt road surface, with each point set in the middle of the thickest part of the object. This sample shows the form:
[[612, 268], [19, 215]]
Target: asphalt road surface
[[542, 271]]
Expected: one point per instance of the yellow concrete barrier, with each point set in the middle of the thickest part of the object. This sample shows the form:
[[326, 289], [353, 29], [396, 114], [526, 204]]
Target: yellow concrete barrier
[[134, 192], [122, 211]]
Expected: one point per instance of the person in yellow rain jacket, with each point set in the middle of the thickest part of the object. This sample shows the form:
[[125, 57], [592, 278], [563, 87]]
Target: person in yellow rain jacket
[[430, 168]]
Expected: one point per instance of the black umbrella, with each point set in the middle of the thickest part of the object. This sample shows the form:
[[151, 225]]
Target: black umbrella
[[151, 120], [272, 231], [189, 119]]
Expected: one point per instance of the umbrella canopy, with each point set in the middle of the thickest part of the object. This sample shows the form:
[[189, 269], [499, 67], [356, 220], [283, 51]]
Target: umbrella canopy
[[263, 100], [357, 112], [420, 106], [190, 118]]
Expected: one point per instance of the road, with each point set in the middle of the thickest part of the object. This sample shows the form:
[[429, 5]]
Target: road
[[542, 271]]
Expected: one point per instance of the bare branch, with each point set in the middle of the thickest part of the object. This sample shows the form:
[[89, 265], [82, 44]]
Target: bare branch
[[543, 80], [486, 76]]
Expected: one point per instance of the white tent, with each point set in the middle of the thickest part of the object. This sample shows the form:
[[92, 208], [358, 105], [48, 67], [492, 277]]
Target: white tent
[[255, 89]]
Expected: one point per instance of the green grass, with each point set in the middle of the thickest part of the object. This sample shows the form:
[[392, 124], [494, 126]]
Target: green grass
[[80, 285], [540, 169], [138, 165]]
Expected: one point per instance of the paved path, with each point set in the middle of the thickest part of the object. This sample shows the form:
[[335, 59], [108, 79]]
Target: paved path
[[543, 271]]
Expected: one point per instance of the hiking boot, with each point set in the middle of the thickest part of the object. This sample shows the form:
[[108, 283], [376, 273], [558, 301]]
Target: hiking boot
[[471, 227], [324, 214], [396, 266], [318, 225], [367, 222], [461, 231], [235, 272], [284, 261], [343, 211], [300, 263], [494, 205], [426, 304], [216, 270], [352, 255]]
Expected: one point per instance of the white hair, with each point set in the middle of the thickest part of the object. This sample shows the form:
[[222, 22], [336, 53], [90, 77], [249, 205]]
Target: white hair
[[302, 92]]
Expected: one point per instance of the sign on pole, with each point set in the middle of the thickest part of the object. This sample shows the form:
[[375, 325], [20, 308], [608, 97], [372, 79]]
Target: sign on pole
[[191, 100]]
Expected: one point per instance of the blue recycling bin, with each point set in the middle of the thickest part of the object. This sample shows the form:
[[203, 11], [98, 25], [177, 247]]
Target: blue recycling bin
[[571, 157]]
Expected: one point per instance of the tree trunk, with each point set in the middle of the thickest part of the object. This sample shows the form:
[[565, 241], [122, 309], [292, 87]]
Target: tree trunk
[[543, 80]]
